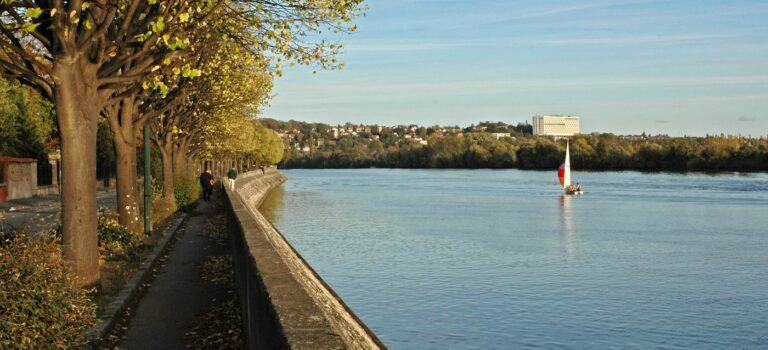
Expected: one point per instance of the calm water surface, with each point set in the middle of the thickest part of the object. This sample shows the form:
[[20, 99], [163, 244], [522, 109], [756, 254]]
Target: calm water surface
[[478, 259]]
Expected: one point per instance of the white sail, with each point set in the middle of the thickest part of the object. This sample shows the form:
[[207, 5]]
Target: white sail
[[567, 167]]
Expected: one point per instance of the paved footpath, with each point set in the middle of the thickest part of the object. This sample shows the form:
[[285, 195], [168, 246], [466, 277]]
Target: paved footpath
[[177, 293]]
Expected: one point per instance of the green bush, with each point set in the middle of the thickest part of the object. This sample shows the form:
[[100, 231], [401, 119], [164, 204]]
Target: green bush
[[115, 239], [40, 307], [187, 192], [162, 209]]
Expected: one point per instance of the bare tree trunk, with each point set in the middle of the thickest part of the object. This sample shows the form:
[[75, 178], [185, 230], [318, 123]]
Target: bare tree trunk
[[124, 137], [78, 105]]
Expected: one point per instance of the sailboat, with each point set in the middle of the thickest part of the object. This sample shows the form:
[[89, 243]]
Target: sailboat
[[564, 173]]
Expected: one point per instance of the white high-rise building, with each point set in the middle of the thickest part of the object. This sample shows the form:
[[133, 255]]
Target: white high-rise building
[[555, 125]]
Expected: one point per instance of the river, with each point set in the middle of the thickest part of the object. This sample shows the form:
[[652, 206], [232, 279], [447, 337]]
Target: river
[[479, 259]]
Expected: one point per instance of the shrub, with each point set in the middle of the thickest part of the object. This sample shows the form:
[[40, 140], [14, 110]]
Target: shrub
[[39, 304], [187, 192], [162, 208], [115, 239]]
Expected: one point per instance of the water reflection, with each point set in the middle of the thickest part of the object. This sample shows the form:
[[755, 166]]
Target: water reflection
[[566, 217], [614, 269], [272, 206]]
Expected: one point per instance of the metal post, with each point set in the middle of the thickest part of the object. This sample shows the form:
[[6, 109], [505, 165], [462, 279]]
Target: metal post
[[147, 183]]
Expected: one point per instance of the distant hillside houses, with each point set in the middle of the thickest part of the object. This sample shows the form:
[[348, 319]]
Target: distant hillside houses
[[306, 137]]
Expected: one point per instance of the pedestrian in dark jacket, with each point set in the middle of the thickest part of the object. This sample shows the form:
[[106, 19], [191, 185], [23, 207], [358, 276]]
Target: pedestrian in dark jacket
[[206, 182], [231, 176]]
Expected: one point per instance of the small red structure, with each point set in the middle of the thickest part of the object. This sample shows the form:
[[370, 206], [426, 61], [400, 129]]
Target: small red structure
[[18, 178]]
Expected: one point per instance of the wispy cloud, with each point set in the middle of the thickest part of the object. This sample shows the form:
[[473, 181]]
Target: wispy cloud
[[378, 46], [634, 40], [431, 85], [549, 10], [685, 63]]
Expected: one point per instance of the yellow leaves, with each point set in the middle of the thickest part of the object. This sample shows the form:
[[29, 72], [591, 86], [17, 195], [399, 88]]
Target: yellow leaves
[[33, 12], [189, 72], [178, 44], [29, 27], [73, 17], [158, 26], [143, 37], [156, 84], [184, 17]]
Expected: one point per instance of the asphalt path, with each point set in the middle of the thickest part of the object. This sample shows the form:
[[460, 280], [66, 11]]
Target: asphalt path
[[178, 293]]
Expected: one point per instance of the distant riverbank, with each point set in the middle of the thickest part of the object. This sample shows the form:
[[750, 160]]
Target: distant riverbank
[[588, 152]]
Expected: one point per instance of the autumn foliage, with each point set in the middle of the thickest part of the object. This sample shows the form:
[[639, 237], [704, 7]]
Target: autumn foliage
[[39, 304]]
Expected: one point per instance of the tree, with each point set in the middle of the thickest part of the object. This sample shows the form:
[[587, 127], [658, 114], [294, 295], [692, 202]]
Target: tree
[[214, 116], [269, 147], [26, 122], [85, 56]]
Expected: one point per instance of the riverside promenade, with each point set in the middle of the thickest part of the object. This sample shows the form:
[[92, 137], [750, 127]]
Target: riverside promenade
[[177, 294], [283, 302]]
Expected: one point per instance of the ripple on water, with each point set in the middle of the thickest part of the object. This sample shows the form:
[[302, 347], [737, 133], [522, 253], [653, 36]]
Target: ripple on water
[[499, 259]]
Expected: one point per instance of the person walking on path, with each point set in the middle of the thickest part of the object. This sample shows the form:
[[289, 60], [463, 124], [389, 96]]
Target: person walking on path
[[206, 182], [231, 176]]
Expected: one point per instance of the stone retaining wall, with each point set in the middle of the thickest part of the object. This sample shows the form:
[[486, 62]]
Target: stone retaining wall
[[285, 303]]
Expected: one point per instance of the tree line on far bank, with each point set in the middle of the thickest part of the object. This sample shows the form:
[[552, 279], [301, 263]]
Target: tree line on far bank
[[588, 152]]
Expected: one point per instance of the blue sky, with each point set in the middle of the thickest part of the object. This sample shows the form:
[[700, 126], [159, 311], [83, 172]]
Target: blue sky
[[676, 67]]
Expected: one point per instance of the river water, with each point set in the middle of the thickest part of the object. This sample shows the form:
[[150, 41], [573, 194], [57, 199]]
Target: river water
[[479, 259]]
